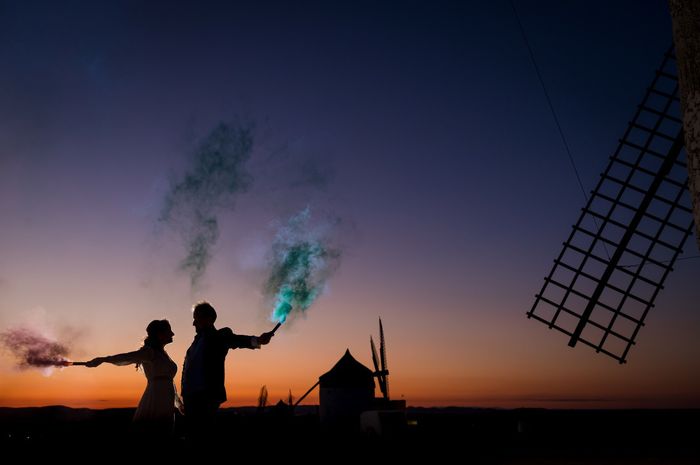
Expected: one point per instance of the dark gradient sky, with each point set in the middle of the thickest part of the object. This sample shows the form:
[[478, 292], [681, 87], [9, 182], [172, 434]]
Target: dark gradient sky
[[424, 127]]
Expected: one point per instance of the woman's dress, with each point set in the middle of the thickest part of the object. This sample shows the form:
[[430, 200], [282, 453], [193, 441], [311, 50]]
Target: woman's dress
[[158, 402]]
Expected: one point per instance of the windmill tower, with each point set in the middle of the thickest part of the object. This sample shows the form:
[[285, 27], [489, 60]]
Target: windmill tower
[[381, 372], [685, 17], [346, 391]]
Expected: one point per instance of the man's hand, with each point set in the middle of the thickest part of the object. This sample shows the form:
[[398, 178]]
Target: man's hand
[[264, 338], [95, 362]]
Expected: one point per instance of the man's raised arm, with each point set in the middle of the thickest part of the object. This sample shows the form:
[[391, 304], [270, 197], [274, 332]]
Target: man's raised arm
[[240, 341]]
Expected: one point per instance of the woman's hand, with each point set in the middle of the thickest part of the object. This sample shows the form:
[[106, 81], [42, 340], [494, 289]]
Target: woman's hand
[[95, 362]]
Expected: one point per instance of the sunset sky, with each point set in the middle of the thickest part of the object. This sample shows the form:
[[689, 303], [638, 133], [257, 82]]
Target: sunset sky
[[421, 125]]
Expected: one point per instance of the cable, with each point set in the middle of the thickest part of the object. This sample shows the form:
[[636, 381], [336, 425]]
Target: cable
[[554, 113], [549, 101], [665, 261]]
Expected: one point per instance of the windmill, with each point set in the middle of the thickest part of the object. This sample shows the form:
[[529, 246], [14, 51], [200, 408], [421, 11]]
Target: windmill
[[347, 394], [382, 374]]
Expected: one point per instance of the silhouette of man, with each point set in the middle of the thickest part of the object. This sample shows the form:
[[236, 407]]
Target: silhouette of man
[[203, 371]]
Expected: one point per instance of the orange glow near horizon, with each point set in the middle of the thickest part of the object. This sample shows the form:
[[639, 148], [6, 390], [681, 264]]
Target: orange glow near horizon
[[478, 355], [121, 387]]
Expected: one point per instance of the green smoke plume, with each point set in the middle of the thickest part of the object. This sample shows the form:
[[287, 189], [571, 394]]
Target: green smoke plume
[[217, 174], [301, 262]]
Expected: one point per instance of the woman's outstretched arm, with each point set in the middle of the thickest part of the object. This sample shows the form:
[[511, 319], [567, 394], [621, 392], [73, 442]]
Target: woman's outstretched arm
[[144, 354]]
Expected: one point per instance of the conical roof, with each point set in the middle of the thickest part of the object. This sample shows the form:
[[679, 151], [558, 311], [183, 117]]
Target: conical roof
[[348, 373]]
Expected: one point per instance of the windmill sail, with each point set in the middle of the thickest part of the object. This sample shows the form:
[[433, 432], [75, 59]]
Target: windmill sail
[[382, 353], [380, 366], [381, 378], [375, 359], [629, 234]]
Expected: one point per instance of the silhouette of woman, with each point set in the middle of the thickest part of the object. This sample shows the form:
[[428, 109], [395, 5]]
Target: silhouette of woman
[[155, 414]]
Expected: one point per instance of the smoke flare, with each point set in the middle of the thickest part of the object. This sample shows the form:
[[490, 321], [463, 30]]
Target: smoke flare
[[215, 178], [301, 262], [33, 349]]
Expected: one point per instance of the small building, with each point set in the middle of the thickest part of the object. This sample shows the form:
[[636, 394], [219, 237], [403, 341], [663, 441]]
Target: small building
[[346, 391]]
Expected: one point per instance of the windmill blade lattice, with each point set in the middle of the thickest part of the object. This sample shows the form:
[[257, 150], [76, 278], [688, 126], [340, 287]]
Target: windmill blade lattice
[[629, 234]]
